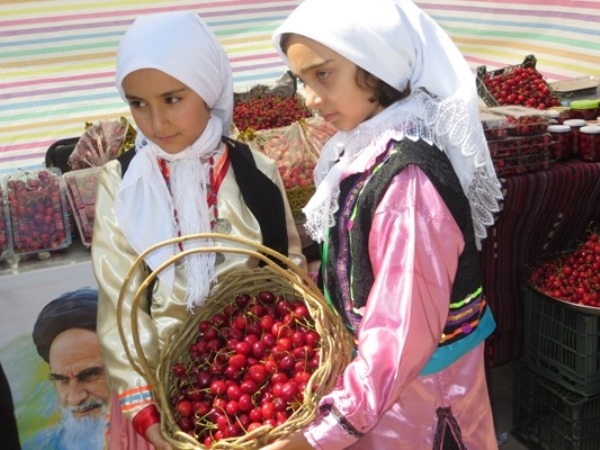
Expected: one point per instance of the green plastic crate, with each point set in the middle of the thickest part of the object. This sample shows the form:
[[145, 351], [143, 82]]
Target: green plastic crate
[[548, 417], [562, 343]]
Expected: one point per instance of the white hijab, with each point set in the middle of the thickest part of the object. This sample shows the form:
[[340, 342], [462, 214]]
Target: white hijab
[[401, 45], [181, 45]]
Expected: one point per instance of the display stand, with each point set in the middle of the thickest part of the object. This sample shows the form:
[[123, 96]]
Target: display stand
[[542, 213]]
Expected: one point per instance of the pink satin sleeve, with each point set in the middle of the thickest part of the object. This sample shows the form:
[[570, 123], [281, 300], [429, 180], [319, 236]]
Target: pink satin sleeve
[[414, 246]]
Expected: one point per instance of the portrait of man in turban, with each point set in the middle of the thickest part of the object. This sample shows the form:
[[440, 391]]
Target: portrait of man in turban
[[65, 337]]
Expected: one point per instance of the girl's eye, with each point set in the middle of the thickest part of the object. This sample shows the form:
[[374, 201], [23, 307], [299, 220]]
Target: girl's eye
[[136, 103], [172, 100], [321, 75]]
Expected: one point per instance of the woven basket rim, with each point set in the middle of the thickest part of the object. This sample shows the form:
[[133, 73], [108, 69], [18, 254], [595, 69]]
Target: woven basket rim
[[337, 339]]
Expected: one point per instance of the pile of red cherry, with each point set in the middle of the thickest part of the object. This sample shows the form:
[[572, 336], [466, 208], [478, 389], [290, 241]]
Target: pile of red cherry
[[267, 112], [249, 366], [520, 86], [572, 277]]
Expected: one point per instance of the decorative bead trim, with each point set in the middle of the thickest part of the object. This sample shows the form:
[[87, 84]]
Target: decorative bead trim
[[134, 398], [344, 423]]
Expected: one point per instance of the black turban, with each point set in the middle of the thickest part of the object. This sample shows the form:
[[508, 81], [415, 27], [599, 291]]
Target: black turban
[[76, 309]]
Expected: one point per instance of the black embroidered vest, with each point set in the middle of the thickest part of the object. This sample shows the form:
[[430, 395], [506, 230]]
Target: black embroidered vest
[[349, 279]]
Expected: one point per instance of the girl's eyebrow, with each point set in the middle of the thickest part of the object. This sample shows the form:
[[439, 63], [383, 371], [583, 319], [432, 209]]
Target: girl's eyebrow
[[314, 66], [176, 91], [164, 94]]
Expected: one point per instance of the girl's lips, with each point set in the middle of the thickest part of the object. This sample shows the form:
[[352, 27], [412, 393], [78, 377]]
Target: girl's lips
[[328, 117], [166, 138]]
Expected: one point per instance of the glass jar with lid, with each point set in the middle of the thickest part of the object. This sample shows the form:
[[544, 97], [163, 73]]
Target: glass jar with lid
[[558, 114], [589, 143], [561, 145], [575, 125], [584, 109]]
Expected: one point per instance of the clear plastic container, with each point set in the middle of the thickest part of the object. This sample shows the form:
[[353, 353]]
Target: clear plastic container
[[517, 146], [81, 193], [522, 121], [561, 146], [5, 240], [516, 155], [584, 109], [494, 126], [525, 163], [589, 143], [575, 125], [37, 209]]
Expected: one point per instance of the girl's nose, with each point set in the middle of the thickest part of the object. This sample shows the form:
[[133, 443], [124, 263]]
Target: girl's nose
[[312, 99], [159, 120]]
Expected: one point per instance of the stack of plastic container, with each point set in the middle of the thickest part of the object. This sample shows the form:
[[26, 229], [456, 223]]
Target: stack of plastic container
[[517, 138]]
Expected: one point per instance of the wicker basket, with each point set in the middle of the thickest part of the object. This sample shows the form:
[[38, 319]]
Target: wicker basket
[[336, 344]]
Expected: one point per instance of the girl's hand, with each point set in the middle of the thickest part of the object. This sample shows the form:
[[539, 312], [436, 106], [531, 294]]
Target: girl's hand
[[154, 436], [295, 441]]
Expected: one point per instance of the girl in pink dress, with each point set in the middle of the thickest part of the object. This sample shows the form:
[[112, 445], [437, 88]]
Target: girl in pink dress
[[405, 191]]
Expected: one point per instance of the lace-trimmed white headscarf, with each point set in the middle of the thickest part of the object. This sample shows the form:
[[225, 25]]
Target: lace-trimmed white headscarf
[[397, 42], [181, 45]]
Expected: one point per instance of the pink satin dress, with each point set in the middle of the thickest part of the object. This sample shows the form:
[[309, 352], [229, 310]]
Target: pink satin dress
[[381, 401]]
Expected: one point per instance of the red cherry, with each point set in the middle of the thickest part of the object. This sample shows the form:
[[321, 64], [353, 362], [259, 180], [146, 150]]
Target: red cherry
[[184, 407]]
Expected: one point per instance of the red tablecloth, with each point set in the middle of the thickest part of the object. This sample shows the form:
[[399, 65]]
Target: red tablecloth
[[542, 213]]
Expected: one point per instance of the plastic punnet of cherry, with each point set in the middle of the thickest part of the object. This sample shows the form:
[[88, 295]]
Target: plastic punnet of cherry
[[81, 187], [5, 239], [37, 210]]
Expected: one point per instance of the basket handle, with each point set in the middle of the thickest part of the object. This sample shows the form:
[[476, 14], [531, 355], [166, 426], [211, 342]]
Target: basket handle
[[269, 256]]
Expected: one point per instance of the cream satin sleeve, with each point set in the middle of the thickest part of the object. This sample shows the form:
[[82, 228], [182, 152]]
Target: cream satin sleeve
[[112, 256]]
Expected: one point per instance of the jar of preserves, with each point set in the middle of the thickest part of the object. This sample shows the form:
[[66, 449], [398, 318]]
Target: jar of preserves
[[558, 114], [589, 143], [584, 109], [561, 145], [575, 125]]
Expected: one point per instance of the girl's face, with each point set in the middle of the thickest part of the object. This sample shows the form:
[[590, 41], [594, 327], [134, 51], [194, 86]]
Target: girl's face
[[330, 84], [167, 111]]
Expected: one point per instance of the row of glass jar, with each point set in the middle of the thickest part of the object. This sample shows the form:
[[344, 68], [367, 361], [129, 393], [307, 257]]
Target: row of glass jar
[[575, 138]]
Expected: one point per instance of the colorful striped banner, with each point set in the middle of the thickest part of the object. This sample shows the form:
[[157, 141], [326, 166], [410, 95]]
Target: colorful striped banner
[[57, 57], [563, 35], [57, 62]]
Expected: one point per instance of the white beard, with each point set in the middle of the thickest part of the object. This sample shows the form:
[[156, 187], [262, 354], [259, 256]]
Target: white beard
[[85, 433]]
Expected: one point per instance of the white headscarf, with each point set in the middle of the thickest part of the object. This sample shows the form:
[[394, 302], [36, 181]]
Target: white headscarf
[[181, 45], [397, 42]]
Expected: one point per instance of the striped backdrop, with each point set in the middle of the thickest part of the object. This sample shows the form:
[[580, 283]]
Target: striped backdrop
[[57, 56]]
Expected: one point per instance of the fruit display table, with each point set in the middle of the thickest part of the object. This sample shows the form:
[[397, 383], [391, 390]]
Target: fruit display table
[[542, 213]]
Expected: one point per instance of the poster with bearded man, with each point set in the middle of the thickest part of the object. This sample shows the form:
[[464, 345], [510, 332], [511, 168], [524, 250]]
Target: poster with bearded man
[[65, 337], [51, 356]]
